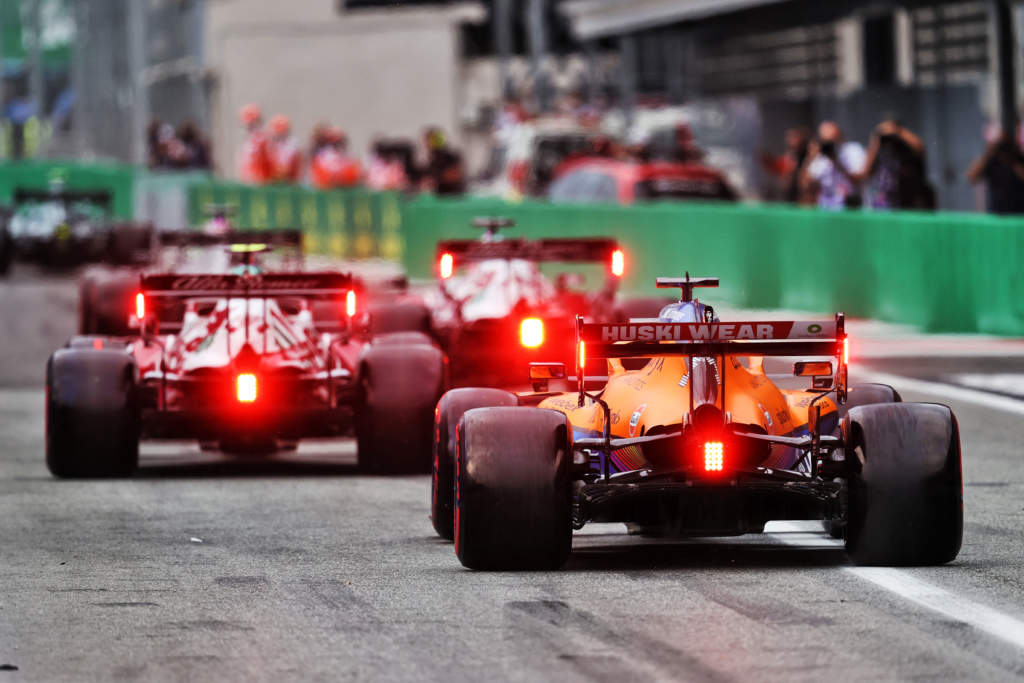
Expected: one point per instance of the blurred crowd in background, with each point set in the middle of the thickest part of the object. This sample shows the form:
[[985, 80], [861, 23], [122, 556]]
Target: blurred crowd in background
[[181, 148], [569, 100], [272, 154], [826, 170], [572, 156]]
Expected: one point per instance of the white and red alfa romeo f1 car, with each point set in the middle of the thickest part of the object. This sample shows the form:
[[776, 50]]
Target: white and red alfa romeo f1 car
[[247, 367]]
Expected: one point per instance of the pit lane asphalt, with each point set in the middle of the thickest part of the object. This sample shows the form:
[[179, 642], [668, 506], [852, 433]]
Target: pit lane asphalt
[[307, 570]]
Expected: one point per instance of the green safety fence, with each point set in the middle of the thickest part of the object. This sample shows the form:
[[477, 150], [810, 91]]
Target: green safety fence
[[118, 179], [942, 272], [344, 224]]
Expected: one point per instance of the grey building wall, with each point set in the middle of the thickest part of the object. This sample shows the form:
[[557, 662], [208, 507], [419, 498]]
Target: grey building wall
[[371, 72]]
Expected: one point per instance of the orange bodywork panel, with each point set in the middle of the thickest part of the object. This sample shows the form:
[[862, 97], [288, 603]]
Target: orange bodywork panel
[[657, 396]]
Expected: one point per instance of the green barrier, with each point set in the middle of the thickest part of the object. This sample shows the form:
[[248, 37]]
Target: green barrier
[[118, 179], [941, 272], [345, 224]]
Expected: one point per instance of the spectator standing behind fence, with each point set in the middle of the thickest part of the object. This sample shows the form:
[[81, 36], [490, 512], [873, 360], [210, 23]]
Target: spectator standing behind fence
[[894, 169], [285, 156], [324, 158], [1001, 166], [182, 149], [785, 168], [330, 166], [351, 172], [195, 150], [443, 173], [830, 172], [385, 169], [254, 165], [155, 150]]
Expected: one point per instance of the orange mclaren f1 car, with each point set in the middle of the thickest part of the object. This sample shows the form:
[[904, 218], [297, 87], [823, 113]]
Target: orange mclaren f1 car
[[687, 436]]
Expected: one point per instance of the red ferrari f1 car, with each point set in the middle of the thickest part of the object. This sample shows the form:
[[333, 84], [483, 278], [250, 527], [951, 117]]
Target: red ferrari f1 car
[[245, 366]]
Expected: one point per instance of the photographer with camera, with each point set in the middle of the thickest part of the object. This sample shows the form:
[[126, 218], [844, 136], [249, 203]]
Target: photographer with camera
[[831, 171], [1001, 166], [895, 169]]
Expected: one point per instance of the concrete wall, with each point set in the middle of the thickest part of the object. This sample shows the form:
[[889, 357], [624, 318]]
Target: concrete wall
[[371, 72]]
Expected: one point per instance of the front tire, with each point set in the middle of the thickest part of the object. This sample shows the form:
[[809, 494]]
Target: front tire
[[92, 419], [450, 409], [513, 505], [904, 484]]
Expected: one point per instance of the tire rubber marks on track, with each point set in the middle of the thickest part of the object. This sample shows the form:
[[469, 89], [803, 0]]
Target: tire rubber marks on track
[[904, 584], [555, 622]]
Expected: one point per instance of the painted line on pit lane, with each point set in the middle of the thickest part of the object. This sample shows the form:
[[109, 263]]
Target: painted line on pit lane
[[1006, 383], [947, 391], [903, 584]]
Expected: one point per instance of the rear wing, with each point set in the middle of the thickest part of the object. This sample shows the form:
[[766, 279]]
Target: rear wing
[[753, 338], [323, 285], [278, 237], [566, 250], [452, 253], [103, 197]]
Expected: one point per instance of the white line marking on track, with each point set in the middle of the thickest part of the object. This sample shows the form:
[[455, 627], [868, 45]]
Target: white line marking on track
[[948, 391], [903, 584], [1011, 383]]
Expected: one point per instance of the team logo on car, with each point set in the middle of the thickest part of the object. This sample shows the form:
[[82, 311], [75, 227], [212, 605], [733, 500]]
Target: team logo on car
[[634, 419]]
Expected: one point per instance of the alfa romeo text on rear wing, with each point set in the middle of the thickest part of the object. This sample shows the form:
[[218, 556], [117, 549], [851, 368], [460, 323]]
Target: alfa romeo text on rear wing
[[325, 285]]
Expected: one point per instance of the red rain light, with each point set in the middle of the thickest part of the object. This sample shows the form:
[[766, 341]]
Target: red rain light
[[846, 350], [531, 332], [583, 356], [97, 344], [140, 305], [618, 263], [350, 303], [714, 456], [446, 265], [245, 388]]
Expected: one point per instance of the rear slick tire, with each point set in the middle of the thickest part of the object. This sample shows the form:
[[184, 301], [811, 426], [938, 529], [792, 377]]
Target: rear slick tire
[[399, 387], [92, 421], [905, 484], [865, 394], [513, 508], [450, 409]]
